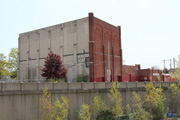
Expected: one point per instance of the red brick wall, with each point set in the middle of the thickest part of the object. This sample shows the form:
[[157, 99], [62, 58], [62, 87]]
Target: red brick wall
[[130, 73], [100, 33]]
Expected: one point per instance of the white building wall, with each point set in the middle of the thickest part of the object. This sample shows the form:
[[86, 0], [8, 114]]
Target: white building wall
[[67, 39]]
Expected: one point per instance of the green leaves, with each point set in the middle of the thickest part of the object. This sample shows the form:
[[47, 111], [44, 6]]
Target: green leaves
[[57, 111], [84, 113], [98, 105], [115, 96], [153, 101], [4, 66]]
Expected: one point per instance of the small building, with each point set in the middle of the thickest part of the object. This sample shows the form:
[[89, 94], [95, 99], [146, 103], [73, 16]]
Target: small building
[[87, 46], [135, 73]]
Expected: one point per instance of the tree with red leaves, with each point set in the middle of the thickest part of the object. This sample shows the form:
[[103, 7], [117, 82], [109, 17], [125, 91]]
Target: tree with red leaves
[[53, 67]]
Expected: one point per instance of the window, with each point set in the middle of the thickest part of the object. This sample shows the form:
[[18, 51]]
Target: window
[[87, 61]]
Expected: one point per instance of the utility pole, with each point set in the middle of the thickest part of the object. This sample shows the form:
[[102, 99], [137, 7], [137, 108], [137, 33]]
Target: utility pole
[[164, 61], [170, 63], [108, 71], [174, 63]]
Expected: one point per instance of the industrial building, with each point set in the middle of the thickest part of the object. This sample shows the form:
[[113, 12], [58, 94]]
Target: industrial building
[[87, 46]]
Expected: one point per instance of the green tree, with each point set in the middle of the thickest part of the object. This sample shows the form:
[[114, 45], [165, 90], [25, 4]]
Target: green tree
[[137, 107], [115, 96], [154, 101], [174, 96], [176, 73], [59, 110], [46, 108], [3, 66], [128, 110], [13, 56], [98, 105], [84, 113]]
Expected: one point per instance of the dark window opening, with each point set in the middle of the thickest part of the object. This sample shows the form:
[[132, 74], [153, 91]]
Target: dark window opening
[[119, 78], [103, 80]]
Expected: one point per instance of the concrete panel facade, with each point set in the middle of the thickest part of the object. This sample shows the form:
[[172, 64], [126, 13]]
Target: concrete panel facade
[[67, 40]]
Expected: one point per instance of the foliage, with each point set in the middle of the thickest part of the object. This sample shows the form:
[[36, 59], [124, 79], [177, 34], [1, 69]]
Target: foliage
[[98, 105], [137, 107], [115, 96], [176, 73], [174, 95], [57, 111], [4, 66], [105, 115], [53, 67], [61, 109], [46, 106], [153, 101], [128, 109], [84, 113], [82, 78], [158, 78], [13, 56]]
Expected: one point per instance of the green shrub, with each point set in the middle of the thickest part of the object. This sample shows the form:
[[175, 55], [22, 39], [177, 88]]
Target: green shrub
[[98, 104], [82, 78], [116, 99], [105, 115], [154, 101], [84, 113]]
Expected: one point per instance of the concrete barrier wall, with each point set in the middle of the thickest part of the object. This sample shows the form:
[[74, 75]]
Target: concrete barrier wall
[[21, 101], [76, 86]]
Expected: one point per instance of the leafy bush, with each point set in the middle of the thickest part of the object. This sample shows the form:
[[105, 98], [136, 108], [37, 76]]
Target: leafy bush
[[82, 78], [128, 109], [57, 111], [105, 115], [84, 113], [153, 101], [115, 97], [98, 105], [61, 109], [174, 95], [137, 107]]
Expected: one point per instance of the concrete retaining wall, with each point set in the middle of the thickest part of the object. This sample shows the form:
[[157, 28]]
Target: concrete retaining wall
[[21, 101], [75, 86]]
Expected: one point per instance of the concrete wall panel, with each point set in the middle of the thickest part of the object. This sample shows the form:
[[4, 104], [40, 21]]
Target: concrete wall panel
[[140, 84], [41, 86], [55, 40], [83, 35], [109, 85], [23, 68], [11, 87], [34, 42], [75, 86], [88, 85], [24, 47], [100, 85], [60, 86], [123, 85], [29, 86], [44, 42]]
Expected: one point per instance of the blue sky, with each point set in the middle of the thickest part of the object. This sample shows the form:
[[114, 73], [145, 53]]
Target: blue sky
[[150, 28]]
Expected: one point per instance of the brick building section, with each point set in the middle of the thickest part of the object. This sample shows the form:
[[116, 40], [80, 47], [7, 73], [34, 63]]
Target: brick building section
[[130, 73], [135, 73], [150, 75], [100, 33]]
